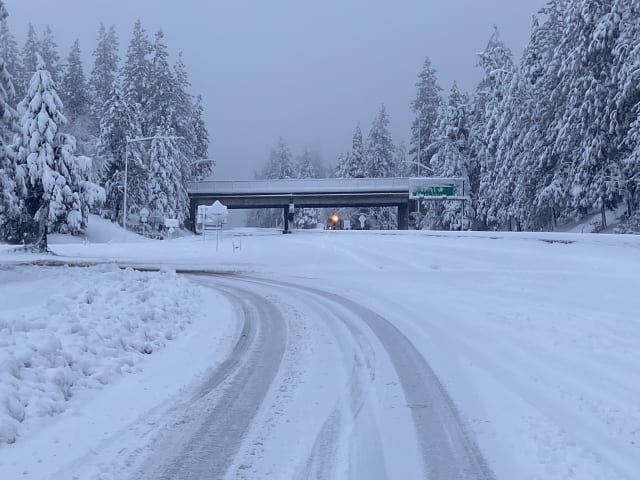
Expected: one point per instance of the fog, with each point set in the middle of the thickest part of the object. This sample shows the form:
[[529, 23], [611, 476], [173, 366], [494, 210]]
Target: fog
[[307, 71]]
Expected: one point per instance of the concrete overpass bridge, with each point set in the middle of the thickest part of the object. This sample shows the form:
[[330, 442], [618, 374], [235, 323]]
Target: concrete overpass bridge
[[325, 193]]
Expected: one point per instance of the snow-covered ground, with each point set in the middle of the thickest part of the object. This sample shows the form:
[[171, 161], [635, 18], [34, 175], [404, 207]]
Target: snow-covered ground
[[536, 337]]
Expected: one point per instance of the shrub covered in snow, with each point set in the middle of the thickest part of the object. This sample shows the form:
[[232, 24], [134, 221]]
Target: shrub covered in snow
[[86, 338]]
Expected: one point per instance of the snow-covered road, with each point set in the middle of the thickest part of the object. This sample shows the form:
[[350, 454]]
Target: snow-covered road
[[386, 414]]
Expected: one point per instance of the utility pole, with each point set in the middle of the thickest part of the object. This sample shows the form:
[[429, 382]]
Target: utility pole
[[419, 153]]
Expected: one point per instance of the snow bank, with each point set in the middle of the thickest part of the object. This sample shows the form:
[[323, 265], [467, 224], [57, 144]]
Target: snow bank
[[108, 320]]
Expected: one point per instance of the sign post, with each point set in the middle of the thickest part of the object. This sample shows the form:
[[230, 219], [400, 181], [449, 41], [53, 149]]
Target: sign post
[[215, 214], [172, 224]]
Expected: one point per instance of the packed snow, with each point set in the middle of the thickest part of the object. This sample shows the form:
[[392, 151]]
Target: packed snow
[[83, 329]]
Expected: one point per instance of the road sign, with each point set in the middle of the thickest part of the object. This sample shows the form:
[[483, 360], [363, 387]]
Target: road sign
[[172, 223], [433, 191]]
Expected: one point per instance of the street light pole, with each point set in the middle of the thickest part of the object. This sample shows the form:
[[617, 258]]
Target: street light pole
[[126, 182], [419, 146], [126, 167]]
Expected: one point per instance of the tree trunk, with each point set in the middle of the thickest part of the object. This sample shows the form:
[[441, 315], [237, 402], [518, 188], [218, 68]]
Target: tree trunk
[[603, 211], [43, 245]]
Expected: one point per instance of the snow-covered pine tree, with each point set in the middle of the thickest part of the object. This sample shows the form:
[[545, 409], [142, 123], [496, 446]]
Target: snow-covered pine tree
[[29, 56], [497, 63], [626, 104], [200, 132], [48, 49], [168, 196], [451, 157], [161, 108], [105, 70], [119, 121], [9, 200], [586, 138], [357, 164], [400, 155], [426, 108], [10, 53], [189, 124], [381, 163], [73, 85], [380, 149], [280, 164], [541, 193], [136, 72], [306, 217], [58, 192], [500, 187], [75, 96], [342, 166]]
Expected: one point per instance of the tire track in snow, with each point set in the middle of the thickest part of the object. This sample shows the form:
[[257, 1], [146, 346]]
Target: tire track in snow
[[448, 449], [229, 399]]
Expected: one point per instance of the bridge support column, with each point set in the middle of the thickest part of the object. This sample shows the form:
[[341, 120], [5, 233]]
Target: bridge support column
[[403, 217], [193, 209], [286, 220]]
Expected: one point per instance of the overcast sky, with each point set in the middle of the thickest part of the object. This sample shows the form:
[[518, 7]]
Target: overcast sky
[[308, 71]]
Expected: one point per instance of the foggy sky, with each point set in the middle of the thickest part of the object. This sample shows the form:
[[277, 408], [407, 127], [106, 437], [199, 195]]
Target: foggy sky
[[308, 71]]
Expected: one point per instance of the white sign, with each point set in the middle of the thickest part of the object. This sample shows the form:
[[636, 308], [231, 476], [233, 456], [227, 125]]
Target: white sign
[[171, 223], [346, 224], [144, 215], [217, 209]]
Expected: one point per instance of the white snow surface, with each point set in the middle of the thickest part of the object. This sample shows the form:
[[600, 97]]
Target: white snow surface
[[535, 336], [99, 328]]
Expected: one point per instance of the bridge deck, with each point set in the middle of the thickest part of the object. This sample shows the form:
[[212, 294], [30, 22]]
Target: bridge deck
[[318, 186]]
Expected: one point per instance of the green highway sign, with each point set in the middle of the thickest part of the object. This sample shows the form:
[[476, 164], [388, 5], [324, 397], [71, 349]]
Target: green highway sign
[[434, 191]]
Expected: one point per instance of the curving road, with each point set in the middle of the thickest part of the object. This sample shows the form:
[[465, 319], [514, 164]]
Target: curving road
[[234, 410]]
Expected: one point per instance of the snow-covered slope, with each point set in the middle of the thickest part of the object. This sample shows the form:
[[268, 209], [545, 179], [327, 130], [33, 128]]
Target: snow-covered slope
[[99, 230]]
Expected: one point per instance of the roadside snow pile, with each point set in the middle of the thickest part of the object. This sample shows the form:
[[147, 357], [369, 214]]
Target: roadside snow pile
[[108, 320]]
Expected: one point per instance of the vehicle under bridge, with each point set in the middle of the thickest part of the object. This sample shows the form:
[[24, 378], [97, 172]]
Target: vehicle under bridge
[[288, 195]]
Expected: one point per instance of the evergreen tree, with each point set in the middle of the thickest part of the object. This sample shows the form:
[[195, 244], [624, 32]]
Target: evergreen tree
[[58, 192], [342, 167], [200, 141], [161, 107], [541, 190], [306, 217], [625, 105], [380, 149], [380, 164], [167, 187], [452, 151], [105, 70], [280, 164], [592, 32], [30, 51], [10, 52], [136, 72], [9, 200], [426, 108], [48, 49], [357, 161], [73, 85], [497, 63], [120, 121], [354, 163]]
